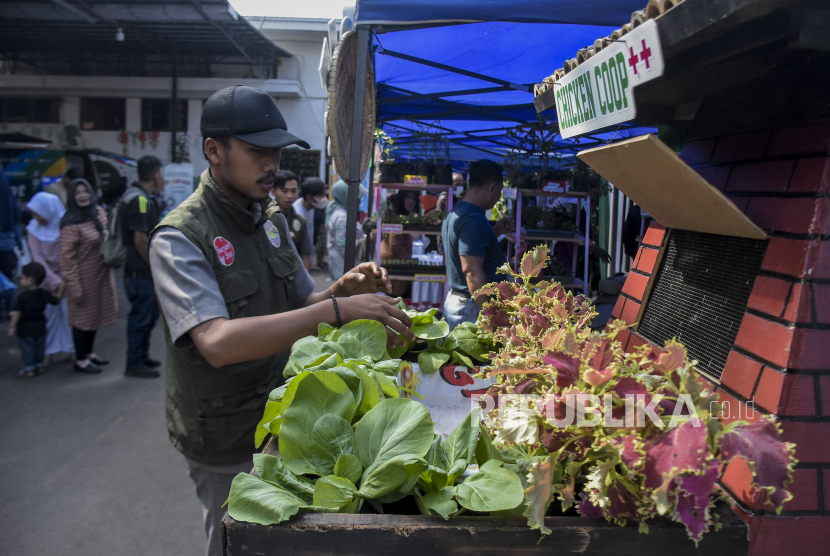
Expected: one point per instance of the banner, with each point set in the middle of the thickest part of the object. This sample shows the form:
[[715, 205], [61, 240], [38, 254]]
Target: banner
[[598, 93], [178, 184]]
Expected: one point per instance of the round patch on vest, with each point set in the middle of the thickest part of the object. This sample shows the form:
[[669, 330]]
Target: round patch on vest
[[296, 225], [273, 234], [224, 250]]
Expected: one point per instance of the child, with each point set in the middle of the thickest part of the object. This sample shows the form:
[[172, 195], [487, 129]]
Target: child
[[28, 320]]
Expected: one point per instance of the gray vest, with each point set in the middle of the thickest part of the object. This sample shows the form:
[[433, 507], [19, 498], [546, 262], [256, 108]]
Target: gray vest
[[212, 413]]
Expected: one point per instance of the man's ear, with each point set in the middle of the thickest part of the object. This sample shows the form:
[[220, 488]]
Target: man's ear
[[214, 151]]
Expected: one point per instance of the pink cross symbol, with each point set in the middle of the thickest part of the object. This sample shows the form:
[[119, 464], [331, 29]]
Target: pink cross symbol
[[633, 60], [645, 54]]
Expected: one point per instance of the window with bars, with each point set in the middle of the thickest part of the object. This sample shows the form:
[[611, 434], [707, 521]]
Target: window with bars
[[30, 110], [304, 163], [155, 115], [103, 114], [700, 293]]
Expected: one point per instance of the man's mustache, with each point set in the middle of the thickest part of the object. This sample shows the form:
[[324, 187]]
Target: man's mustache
[[268, 178]]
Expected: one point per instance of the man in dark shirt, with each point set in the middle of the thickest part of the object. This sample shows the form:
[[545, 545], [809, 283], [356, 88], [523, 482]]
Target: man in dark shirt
[[285, 191], [471, 244], [140, 215]]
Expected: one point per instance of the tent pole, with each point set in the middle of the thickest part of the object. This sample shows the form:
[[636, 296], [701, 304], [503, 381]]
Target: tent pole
[[420, 96], [452, 69], [354, 178], [173, 113]]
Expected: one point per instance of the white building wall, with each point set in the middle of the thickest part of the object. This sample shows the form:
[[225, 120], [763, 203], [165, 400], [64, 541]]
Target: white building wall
[[70, 111], [298, 93], [194, 116], [305, 115]]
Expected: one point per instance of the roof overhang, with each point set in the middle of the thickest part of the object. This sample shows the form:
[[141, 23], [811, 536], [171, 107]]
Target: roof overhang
[[158, 29], [144, 87]]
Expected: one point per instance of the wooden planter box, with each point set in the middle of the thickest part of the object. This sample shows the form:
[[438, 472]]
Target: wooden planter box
[[403, 535]]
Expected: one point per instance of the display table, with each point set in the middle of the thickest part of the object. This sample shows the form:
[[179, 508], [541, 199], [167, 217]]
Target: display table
[[416, 535]]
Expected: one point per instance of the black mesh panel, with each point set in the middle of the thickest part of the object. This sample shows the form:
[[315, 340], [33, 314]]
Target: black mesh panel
[[700, 294], [216, 114]]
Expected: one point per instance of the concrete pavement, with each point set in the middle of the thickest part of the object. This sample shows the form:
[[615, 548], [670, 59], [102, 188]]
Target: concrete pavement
[[85, 463]]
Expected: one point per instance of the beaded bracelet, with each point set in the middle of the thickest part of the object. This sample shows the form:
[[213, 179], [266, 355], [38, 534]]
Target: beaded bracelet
[[336, 311]]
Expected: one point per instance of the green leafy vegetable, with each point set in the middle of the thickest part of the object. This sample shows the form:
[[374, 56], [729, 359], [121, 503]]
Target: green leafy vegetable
[[431, 362], [340, 419], [394, 428], [271, 469], [331, 437], [440, 503], [263, 429], [383, 478], [460, 446], [256, 501], [333, 492], [492, 489], [318, 394], [363, 338], [349, 467], [485, 451]]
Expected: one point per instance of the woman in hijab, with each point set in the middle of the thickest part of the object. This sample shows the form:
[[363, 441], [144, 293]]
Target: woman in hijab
[[44, 234], [90, 285], [336, 227]]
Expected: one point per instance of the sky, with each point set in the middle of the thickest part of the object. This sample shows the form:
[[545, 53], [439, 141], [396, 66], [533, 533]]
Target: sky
[[326, 9]]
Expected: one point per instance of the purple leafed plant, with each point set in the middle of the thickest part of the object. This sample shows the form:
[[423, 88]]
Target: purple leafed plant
[[644, 438]]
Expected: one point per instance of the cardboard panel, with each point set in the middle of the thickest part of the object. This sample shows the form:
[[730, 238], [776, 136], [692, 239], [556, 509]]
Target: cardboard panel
[[655, 178]]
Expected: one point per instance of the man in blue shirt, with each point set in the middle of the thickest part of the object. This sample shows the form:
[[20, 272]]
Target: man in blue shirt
[[471, 243]]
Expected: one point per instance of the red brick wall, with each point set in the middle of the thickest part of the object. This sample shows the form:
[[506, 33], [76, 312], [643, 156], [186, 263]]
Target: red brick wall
[[781, 358]]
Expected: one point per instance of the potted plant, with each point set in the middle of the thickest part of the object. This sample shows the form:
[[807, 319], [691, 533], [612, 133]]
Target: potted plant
[[536, 140], [387, 171], [432, 150]]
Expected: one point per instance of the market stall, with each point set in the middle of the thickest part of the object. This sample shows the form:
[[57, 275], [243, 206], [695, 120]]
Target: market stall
[[352, 439], [471, 81]]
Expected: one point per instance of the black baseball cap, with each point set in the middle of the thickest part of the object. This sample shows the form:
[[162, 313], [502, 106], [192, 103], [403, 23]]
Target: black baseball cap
[[248, 114]]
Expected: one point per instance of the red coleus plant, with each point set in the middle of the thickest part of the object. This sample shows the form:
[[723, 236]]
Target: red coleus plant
[[640, 432], [520, 313]]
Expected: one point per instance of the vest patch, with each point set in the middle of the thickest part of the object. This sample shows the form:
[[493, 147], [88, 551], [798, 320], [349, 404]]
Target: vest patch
[[224, 250], [273, 233], [296, 225]]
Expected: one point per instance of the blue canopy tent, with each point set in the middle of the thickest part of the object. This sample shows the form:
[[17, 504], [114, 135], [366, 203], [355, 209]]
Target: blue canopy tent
[[384, 13], [465, 69]]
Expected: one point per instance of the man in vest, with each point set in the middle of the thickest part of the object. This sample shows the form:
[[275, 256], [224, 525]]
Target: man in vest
[[235, 296]]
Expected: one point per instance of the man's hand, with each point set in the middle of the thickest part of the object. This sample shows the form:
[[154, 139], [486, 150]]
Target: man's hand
[[142, 244], [600, 252], [61, 290], [505, 225], [364, 278], [11, 331], [379, 308]]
